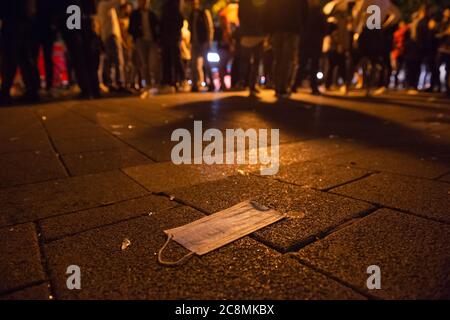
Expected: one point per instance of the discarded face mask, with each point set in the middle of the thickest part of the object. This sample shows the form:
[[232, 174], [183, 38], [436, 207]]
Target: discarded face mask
[[214, 231]]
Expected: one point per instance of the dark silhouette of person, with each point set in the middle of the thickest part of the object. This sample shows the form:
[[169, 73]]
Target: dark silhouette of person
[[311, 41], [45, 35], [18, 19], [81, 46], [171, 24], [284, 20], [251, 41]]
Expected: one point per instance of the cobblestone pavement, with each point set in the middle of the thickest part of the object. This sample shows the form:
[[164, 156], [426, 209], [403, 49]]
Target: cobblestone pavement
[[363, 181]]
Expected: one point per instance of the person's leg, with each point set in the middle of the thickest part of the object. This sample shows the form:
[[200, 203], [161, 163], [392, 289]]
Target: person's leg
[[257, 52], [277, 41], [176, 67], [409, 70], [382, 70], [314, 61], [286, 64], [377, 71], [129, 67], [136, 74], [207, 68], [185, 64], [151, 55], [366, 70], [349, 69], [154, 63], [108, 62], [446, 61], [28, 61], [417, 67], [290, 66], [47, 47], [179, 70], [92, 60], [434, 69], [141, 50], [268, 67], [408, 74], [341, 67], [195, 67], [77, 52], [245, 65], [224, 58], [287, 67], [415, 75], [329, 70], [399, 67], [10, 47], [389, 69], [302, 70], [69, 67], [148, 58], [172, 75], [168, 64], [119, 63]]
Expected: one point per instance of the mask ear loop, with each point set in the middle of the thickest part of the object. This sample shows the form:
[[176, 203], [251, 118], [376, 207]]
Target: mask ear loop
[[172, 263], [258, 206]]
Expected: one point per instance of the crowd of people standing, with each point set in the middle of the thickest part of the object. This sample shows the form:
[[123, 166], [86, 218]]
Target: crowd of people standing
[[127, 47]]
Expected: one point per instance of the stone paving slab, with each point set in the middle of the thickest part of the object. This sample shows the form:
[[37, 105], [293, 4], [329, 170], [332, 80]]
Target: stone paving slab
[[24, 129], [315, 149], [63, 225], [20, 263], [77, 132], [420, 196], [19, 143], [87, 144], [62, 115], [65, 119], [46, 199], [166, 176], [319, 175], [413, 254], [129, 130], [311, 213], [109, 273], [38, 292], [156, 148], [18, 120], [395, 161], [29, 167], [57, 112], [105, 160]]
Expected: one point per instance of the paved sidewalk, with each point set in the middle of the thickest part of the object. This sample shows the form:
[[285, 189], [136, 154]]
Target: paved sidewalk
[[363, 181]]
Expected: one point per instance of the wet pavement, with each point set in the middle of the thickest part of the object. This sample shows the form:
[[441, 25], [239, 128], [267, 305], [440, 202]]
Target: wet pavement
[[363, 182]]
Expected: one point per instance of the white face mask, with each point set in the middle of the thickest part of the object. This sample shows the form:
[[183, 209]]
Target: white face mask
[[214, 231]]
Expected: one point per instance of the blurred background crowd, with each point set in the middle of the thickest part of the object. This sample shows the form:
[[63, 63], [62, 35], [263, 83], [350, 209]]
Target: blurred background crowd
[[146, 47]]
